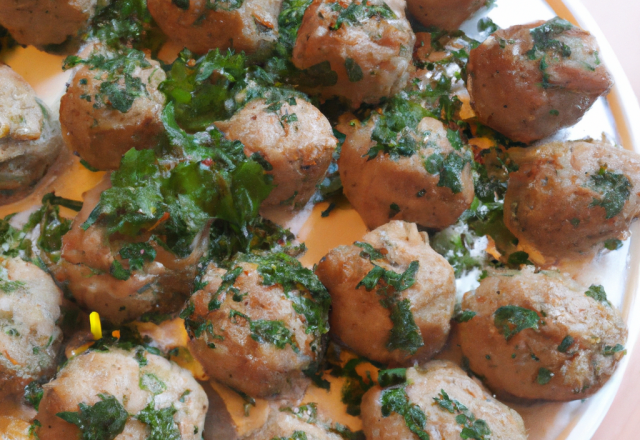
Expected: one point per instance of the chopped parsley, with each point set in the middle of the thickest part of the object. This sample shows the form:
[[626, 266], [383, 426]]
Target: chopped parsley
[[161, 423], [598, 293], [544, 376], [105, 420], [614, 190], [356, 14], [566, 343], [354, 71], [610, 351], [472, 428], [511, 320], [395, 400], [33, 394]]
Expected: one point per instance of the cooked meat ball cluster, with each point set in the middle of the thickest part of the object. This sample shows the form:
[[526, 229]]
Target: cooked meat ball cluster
[[29, 137], [363, 49], [439, 401], [529, 81], [541, 335], [295, 140], [29, 335], [99, 270], [392, 295], [249, 26], [42, 23], [112, 105], [417, 176], [570, 199], [128, 394], [256, 326], [443, 14]]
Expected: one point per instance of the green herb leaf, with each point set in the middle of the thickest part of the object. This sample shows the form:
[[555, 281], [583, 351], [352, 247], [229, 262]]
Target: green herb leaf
[[614, 190], [597, 292], [161, 423], [395, 400], [405, 334], [33, 393], [610, 351], [105, 420], [389, 378], [544, 376], [511, 320], [566, 343], [354, 71]]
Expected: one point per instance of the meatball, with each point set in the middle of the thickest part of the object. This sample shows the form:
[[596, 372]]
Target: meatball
[[134, 392], [100, 271], [30, 138], [443, 14], [406, 319], [112, 104], [249, 26], [541, 335], [441, 400], [29, 338], [295, 139], [422, 179], [569, 199], [44, 22], [361, 51], [256, 326], [294, 423], [529, 81]]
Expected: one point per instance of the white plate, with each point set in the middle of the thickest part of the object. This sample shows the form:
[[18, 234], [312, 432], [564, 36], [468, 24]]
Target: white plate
[[617, 271]]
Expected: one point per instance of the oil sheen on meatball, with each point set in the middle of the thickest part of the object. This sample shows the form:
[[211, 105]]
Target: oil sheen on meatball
[[29, 338], [392, 295], [441, 401], [443, 14], [529, 81], [112, 104], [364, 48], [44, 22], [296, 140], [569, 199], [256, 326], [132, 393], [95, 272], [541, 335], [30, 138], [428, 183], [249, 26]]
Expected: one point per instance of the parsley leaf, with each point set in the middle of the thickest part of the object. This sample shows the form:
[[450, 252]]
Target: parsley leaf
[[597, 292], [395, 400], [472, 428], [356, 14], [33, 393], [273, 332], [511, 320], [103, 421], [354, 71], [566, 343], [614, 190], [544, 376], [160, 422]]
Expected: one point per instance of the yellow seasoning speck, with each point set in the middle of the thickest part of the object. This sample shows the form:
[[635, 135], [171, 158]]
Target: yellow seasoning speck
[[96, 327]]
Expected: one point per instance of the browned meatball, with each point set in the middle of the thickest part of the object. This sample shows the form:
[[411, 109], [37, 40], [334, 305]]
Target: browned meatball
[[443, 14], [44, 22], [249, 26], [431, 185], [568, 199], [529, 81], [381, 314], [130, 392], [255, 327], [30, 138], [95, 272], [541, 335], [296, 140], [363, 48], [440, 400], [29, 338], [112, 105]]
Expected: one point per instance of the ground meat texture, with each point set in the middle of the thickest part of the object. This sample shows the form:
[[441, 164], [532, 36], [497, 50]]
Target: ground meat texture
[[249, 26], [450, 400], [296, 140], [401, 187], [30, 138], [257, 343], [529, 81], [443, 14], [359, 318], [100, 127], [45, 22], [140, 383], [292, 422], [569, 199], [355, 51], [541, 335], [88, 270], [29, 338]]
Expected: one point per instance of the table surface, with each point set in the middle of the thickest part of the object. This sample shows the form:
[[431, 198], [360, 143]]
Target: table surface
[[618, 20]]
